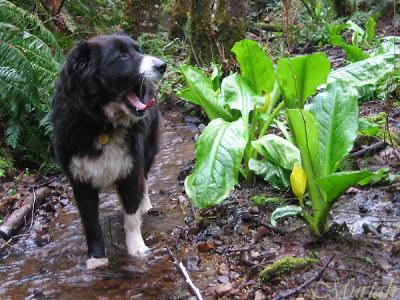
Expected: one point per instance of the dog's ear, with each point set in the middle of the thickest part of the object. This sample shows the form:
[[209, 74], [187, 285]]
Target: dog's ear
[[78, 58]]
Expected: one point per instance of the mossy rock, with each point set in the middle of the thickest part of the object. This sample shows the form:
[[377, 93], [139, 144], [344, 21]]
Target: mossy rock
[[285, 266]]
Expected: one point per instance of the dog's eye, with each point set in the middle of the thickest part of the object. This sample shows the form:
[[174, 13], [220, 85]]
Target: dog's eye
[[124, 55]]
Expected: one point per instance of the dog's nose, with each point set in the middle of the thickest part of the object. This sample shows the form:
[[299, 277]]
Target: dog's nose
[[161, 67]]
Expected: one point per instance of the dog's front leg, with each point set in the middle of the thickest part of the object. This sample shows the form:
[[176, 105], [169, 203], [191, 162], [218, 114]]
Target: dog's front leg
[[131, 191], [87, 199]]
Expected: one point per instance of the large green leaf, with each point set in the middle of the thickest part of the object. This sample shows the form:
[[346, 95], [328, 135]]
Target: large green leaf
[[364, 75], [284, 211], [370, 29], [238, 95], [278, 150], [200, 91], [275, 175], [354, 53], [335, 184], [219, 152], [336, 111], [300, 76], [305, 130], [255, 66]]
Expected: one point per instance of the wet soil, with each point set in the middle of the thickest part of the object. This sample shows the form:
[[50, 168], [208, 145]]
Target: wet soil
[[223, 248]]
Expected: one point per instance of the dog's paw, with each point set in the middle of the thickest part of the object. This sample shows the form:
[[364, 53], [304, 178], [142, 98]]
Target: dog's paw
[[93, 262], [145, 206], [142, 251]]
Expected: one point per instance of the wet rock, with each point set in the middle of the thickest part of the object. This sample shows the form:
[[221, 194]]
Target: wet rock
[[201, 127], [223, 289], [254, 254], [182, 199], [223, 269], [42, 240], [223, 279], [245, 259], [259, 295], [254, 210], [260, 233], [192, 262]]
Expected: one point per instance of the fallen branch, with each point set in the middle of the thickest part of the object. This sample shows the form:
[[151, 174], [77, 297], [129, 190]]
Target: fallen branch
[[17, 219], [372, 149], [185, 274], [305, 284], [250, 217]]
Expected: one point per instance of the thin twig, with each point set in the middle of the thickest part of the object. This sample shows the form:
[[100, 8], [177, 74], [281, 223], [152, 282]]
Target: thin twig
[[305, 284], [33, 209], [266, 225], [351, 270], [182, 269], [11, 239]]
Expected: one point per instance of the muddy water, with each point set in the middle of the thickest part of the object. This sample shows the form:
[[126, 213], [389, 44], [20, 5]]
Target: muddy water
[[57, 270]]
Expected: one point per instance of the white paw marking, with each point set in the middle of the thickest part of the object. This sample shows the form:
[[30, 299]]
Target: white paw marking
[[145, 204], [93, 263], [134, 240]]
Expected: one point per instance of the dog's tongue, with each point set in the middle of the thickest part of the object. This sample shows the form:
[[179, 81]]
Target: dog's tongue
[[134, 100]]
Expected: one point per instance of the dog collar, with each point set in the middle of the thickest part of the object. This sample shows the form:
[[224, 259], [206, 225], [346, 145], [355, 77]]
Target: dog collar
[[104, 138]]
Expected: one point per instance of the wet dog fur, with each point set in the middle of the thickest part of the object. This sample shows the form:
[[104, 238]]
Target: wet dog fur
[[105, 131]]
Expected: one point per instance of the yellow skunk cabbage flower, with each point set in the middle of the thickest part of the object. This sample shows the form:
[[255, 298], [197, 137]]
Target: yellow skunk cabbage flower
[[298, 181], [264, 108]]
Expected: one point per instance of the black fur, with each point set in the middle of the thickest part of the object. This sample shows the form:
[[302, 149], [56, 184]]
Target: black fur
[[101, 70]]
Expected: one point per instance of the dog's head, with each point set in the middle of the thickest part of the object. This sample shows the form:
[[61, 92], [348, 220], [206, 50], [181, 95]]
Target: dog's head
[[114, 75]]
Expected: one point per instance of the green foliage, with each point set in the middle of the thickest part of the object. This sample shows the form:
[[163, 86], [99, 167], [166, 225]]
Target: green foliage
[[255, 66], [324, 136], [361, 39], [284, 266], [300, 76], [30, 58], [285, 211], [279, 157], [219, 153], [200, 91], [368, 75], [6, 164], [235, 106]]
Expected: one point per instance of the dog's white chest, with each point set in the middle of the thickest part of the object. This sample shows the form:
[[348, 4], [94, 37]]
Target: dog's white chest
[[114, 162]]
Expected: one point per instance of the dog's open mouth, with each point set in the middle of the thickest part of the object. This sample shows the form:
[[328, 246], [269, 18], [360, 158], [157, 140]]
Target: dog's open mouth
[[138, 107]]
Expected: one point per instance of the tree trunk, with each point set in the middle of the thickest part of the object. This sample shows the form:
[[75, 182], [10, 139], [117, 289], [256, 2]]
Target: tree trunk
[[180, 17], [344, 8], [201, 43], [142, 16], [231, 19]]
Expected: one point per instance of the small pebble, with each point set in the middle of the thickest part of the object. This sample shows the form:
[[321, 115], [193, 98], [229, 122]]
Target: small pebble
[[223, 279], [223, 289]]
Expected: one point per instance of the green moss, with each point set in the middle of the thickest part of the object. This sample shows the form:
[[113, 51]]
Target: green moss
[[6, 164], [203, 46], [180, 16], [260, 200], [285, 266], [141, 16]]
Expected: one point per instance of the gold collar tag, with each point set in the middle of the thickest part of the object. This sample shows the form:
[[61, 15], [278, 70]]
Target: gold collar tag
[[104, 139]]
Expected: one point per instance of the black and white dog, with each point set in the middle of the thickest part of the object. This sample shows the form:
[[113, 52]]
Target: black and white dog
[[106, 127]]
